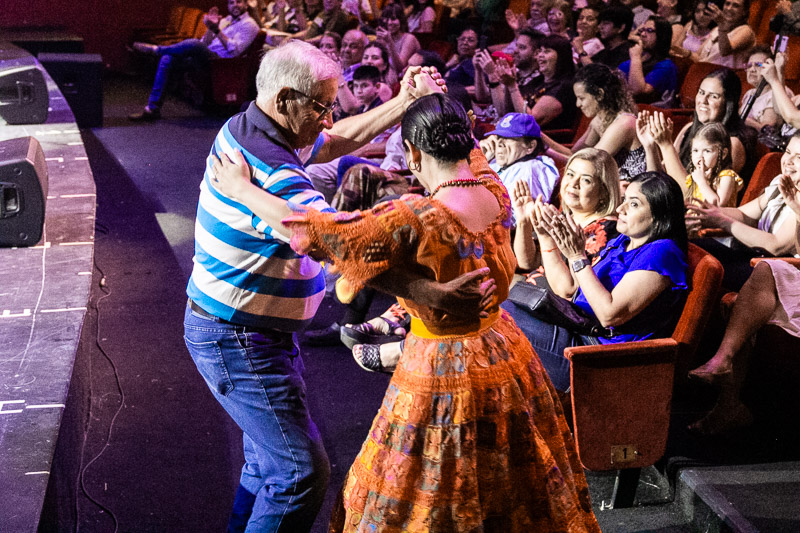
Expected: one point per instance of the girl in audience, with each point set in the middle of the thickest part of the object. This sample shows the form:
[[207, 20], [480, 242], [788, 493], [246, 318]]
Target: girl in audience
[[761, 225], [770, 296], [637, 287], [393, 33], [652, 76], [689, 38], [710, 176], [728, 44], [421, 15], [589, 192], [762, 113], [717, 100], [601, 95]]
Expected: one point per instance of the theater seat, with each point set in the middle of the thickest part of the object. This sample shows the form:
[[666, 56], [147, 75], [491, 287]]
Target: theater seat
[[621, 393]]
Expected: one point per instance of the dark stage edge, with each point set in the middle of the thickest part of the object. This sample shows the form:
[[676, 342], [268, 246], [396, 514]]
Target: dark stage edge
[[43, 302]]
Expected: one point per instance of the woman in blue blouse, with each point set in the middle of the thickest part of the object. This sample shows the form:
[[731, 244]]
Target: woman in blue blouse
[[638, 286]]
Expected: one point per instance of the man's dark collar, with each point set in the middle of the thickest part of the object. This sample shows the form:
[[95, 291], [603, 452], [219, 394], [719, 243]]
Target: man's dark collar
[[266, 124]]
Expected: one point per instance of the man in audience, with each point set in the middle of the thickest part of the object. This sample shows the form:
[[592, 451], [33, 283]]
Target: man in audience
[[519, 155], [225, 37], [352, 50], [250, 293], [489, 71], [614, 27], [333, 18]]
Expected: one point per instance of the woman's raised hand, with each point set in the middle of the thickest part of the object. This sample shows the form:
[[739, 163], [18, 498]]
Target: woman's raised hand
[[230, 176], [643, 129], [514, 21], [790, 193], [769, 70], [521, 200], [660, 127]]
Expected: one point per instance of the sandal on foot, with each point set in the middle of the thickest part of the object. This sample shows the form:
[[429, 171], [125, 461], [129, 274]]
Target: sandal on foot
[[367, 334], [709, 378], [368, 357]]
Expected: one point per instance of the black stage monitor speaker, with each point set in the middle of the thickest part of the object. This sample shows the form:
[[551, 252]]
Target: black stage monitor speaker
[[23, 94], [78, 77], [23, 191]]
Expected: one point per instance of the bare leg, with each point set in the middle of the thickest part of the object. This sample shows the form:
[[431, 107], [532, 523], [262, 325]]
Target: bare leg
[[755, 305]]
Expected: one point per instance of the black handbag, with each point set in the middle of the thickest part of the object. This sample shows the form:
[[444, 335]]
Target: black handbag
[[553, 309]]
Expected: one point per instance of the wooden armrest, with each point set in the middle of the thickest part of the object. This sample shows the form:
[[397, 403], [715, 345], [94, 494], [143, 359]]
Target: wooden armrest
[[713, 232], [794, 261], [638, 352]]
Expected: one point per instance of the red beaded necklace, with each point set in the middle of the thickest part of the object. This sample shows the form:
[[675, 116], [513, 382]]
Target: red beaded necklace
[[457, 182]]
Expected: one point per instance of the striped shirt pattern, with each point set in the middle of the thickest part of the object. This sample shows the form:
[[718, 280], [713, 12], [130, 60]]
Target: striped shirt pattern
[[244, 270]]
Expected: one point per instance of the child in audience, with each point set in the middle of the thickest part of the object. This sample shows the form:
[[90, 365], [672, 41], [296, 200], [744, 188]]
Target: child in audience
[[710, 176], [365, 87]]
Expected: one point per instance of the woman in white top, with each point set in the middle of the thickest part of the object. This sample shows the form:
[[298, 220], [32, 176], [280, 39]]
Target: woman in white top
[[729, 43], [393, 33], [689, 38], [421, 15]]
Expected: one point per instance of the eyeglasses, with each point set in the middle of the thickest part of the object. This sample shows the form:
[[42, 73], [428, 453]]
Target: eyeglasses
[[640, 31], [319, 107], [757, 64]]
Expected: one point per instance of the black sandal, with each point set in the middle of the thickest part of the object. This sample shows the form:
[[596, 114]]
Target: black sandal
[[369, 358], [366, 333]]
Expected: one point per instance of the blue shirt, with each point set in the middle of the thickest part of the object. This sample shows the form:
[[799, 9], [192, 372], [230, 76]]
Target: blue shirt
[[663, 77], [244, 270], [663, 256]]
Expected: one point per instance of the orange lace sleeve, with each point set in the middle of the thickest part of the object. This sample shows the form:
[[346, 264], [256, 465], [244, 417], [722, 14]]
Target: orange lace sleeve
[[361, 244]]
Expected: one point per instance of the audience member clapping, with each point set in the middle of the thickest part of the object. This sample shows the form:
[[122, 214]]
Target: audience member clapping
[[460, 67], [710, 175], [589, 191], [636, 289], [559, 20]]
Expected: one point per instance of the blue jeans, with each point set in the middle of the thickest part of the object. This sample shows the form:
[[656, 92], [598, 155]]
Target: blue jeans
[[190, 48], [256, 375], [549, 341]]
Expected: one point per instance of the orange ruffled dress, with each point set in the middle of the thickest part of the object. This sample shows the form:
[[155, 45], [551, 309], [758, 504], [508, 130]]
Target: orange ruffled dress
[[471, 435]]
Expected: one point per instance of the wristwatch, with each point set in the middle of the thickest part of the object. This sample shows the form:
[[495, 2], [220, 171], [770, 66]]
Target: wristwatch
[[579, 264]]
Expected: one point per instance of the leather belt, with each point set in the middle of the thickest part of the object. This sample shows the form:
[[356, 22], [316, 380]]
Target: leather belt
[[205, 314]]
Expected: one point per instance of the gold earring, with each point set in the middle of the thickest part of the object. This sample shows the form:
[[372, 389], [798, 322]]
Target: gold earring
[[415, 167]]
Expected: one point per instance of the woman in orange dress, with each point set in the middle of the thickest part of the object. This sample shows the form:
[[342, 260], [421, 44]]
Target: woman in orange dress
[[471, 435]]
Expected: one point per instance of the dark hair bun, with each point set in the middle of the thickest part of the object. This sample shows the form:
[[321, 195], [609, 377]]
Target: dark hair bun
[[438, 125]]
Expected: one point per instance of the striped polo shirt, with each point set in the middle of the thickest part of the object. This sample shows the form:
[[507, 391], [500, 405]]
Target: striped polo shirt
[[244, 270]]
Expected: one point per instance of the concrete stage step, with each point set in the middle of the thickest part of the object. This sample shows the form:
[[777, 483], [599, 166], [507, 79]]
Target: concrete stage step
[[736, 498]]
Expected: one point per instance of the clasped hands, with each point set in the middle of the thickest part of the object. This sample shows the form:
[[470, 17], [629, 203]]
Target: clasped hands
[[548, 223]]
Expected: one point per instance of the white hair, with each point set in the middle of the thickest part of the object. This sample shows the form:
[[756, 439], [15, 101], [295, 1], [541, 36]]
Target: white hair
[[295, 64]]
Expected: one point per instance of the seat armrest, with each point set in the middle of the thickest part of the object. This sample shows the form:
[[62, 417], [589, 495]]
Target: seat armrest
[[713, 232], [637, 352], [794, 261]]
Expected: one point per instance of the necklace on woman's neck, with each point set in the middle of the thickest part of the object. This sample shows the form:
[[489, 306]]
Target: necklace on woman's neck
[[457, 182]]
